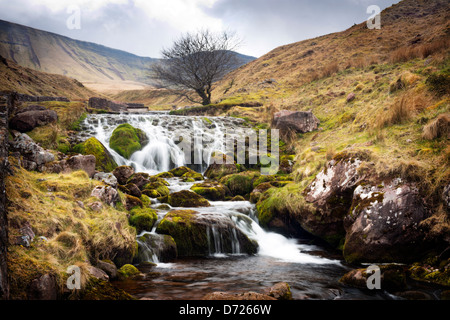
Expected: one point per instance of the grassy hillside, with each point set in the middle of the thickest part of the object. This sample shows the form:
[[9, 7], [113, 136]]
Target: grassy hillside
[[32, 82], [400, 114], [84, 61], [409, 29]]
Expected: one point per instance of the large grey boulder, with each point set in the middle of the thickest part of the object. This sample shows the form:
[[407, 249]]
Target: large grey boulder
[[107, 194], [33, 155], [384, 224], [330, 197], [28, 120], [297, 121]]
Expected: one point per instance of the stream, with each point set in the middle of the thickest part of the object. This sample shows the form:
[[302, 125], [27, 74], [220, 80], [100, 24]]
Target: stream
[[312, 271]]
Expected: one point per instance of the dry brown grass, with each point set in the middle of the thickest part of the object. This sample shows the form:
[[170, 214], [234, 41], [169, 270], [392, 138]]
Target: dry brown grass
[[330, 69], [422, 51], [404, 108], [440, 127]]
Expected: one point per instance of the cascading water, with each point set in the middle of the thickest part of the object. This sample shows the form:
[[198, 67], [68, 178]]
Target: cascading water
[[303, 266], [165, 150], [163, 153]]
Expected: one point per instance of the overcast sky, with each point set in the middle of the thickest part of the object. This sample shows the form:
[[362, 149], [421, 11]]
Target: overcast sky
[[144, 27]]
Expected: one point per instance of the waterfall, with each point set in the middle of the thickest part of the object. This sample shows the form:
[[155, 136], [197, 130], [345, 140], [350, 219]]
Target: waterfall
[[165, 150]]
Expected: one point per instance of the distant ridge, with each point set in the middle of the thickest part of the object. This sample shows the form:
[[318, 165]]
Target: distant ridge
[[84, 61]]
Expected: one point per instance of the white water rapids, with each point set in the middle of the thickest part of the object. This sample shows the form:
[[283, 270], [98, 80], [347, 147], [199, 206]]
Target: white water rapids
[[162, 154]]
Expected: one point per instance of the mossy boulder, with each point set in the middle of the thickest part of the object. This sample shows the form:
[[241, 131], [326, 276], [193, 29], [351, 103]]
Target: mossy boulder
[[128, 271], [193, 236], [161, 245], [132, 202], [140, 179], [220, 165], [180, 171], [165, 175], [238, 184], [187, 199], [192, 176], [104, 161], [126, 140], [123, 173], [143, 219], [211, 190], [156, 188]]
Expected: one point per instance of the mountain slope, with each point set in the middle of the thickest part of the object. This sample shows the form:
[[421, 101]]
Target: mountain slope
[[405, 26], [87, 62], [32, 82], [52, 53]]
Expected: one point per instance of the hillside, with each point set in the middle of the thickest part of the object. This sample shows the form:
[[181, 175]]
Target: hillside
[[407, 26], [32, 82], [99, 67], [84, 61]]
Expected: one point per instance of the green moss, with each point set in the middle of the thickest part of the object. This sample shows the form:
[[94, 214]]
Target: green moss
[[104, 161], [192, 176], [143, 219], [239, 184], [97, 289], [181, 171], [126, 140], [156, 189], [211, 191], [187, 199], [165, 175], [76, 126], [128, 271]]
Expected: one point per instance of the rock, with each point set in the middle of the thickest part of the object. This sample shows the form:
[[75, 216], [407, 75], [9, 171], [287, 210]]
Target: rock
[[393, 278], [281, 291], [139, 179], [187, 199], [330, 195], [27, 121], [104, 159], [26, 236], [79, 162], [132, 202], [446, 197], [123, 173], [247, 296], [238, 184], [131, 189], [126, 140], [34, 156], [181, 171], [237, 199], [256, 194], [351, 97], [210, 190], [384, 224], [106, 178], [109, 268], [415, 295], [204, 234], [128, 271], [161, 245], [98, 273], [297, 121], [43, 288], [142, 219], [156, 188], [106, 194], [96, 206], [220, 165]]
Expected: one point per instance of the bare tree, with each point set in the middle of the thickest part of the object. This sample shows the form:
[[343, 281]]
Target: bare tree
[[195, 62]]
